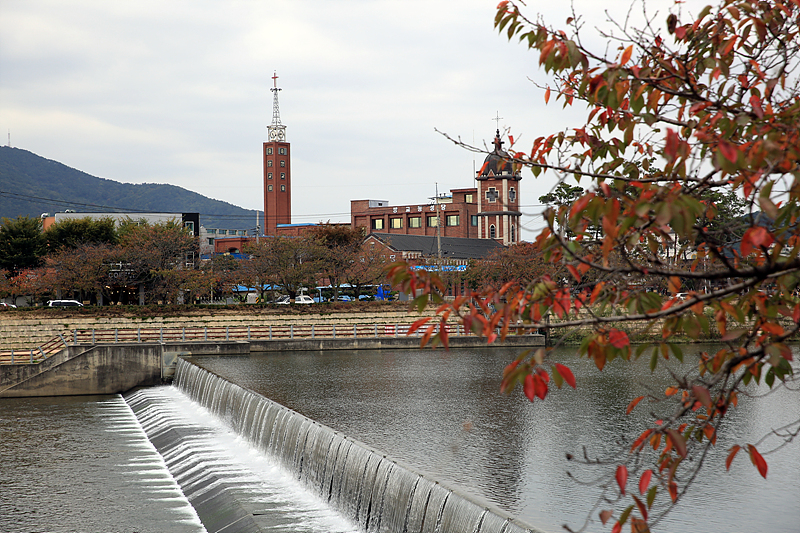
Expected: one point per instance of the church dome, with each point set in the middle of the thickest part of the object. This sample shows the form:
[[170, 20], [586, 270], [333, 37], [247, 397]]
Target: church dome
[[498, 161]]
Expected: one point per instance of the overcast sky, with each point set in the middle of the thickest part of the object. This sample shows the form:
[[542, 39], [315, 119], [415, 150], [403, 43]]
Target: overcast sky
[[178, 92]]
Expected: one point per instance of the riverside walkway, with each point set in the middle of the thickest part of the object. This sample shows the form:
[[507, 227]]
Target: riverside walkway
[[26, 341]]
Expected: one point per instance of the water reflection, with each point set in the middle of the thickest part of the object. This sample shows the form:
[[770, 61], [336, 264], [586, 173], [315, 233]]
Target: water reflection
[[442, 415]]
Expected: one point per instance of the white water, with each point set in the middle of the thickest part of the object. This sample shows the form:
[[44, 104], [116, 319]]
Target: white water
[[211, 448]]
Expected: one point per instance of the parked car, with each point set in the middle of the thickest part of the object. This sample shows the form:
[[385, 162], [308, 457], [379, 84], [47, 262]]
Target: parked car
[[301, 299], [4, 305], [64, 303], [342, 298]]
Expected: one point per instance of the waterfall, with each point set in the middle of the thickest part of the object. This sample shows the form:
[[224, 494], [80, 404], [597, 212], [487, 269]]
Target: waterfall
[[377, 493]]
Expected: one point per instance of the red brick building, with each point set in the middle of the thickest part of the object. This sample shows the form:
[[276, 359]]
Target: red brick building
[[277, 171], [455, 213], [489, 211], [498, 198]]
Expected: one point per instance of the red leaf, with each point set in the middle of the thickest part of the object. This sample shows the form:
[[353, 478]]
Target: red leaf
[[617, 528], [547, 95], [417, 324], [644, 481], [622, 478], [757, 460], [671, 145], [626, 55], [605, 515], [529, 387], [733, 451], [702, 395], [539, 387], [796, 314], [618, 339], [633, 404], [677, 441], [566, 373], [729, 151], [574, 272], [642, 509]]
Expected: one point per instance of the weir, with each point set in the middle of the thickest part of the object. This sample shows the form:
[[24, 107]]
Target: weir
[[375, 492]]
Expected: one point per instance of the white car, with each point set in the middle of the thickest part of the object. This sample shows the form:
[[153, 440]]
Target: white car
[[301, 299], [64, 303]]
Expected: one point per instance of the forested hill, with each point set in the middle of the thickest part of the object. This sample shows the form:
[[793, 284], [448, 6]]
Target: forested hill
[[31, 185]]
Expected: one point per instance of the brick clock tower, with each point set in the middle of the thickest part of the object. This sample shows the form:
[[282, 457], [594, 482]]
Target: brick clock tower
[[277, 171], [498, 197]]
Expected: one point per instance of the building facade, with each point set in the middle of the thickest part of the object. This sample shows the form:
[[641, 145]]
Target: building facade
[[488, 211], [277, 171], [454, 214], [498, 197]]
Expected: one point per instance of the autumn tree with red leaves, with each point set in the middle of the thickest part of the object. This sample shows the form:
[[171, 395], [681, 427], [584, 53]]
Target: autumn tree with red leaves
[[680, 113]]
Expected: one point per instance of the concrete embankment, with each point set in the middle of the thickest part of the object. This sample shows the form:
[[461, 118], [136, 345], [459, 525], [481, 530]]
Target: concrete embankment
[[112, 367]]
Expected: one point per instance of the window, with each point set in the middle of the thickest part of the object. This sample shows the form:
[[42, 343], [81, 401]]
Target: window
[[513, 233], [512, 195], [473, 220], [231, 232], [223, 232], [468, 198], [189, 226], [283, 163], [269, 150], [396, 223], [211, 242], [283, 175], [211, 231], [269, 175], [377, 223], [415, 222], [492, 195], [282, 151], [269, 187], [432, 220], [452, 220], [242, 232], [283, 187], [492, 232], [269, 163]]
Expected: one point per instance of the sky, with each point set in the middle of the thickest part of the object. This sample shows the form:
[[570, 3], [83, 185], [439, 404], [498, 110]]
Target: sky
[[178, 92]]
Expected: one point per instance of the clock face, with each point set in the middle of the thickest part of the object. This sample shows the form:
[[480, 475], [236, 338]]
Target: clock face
[[273, 135], [281, 135]]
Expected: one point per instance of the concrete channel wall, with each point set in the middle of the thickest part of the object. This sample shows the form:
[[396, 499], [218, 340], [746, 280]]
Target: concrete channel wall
[[117, 368], [104, 369]]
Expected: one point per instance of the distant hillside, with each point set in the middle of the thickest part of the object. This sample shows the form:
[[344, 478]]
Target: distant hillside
[[31, 185]]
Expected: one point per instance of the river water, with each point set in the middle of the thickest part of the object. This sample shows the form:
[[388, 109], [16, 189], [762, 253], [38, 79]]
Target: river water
[[442, 414], [85, 464]]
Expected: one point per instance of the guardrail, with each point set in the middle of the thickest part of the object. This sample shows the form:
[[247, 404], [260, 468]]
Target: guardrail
[[226, 333]]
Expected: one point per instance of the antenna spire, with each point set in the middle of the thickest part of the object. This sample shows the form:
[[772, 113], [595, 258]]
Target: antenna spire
[[277, 131]]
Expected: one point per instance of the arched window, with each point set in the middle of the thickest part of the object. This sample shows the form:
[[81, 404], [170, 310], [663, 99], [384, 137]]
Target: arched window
[[492, 232]]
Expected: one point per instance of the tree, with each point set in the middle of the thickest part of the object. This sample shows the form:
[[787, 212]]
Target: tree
[[150, 252], [337, 248], [21, 244], [367, 268], [71, 233], [678, 119], [85, 269], [286, 262]]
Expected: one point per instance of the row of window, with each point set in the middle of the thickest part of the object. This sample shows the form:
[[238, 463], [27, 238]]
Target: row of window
[[283, 187], [269, 163], [416, 222], [281, 150], [226, 231], [269, 175]]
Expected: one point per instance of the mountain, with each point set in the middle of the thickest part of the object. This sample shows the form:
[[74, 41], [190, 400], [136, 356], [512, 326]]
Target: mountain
[[31, 185]]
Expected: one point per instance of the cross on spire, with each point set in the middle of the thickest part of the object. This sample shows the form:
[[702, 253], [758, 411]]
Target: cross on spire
[[275, 80], [497, 119]]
